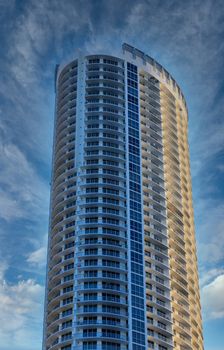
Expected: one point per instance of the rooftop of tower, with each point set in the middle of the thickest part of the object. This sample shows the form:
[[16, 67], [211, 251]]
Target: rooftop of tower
[[158, 68], [142, 59]]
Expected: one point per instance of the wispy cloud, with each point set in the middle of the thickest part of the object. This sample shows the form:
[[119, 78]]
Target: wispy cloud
[[38, 257], [208, 276], [41, 27], [23, 192], [212, 298], [20, 314]]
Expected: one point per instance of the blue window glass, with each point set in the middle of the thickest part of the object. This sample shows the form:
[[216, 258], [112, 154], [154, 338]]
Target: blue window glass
[[136, 247]]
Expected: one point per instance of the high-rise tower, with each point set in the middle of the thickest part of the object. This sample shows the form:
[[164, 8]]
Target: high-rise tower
[[122, 266]]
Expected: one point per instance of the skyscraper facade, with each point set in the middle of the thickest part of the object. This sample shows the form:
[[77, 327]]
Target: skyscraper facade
[[122, 265]]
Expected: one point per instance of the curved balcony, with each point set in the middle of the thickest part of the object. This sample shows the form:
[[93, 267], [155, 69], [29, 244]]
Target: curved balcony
[[101, 324], [104, 93], [61, 199], [122, 280], [59, 297], [57, 266], [62, 94], [53, 292], [60, 252], [122, 314], [66, 139], [65, 124], [57, 237], [64, 214], [62, 141], [64, 206], [66, 99], [67, 71], [65, 222], [120, 257], [64, 189], [155, 316], [58, 310], [99, 301], [67, 81], [59, 282], [57, 344], [64, 168], [102, 336], [66, 152], [105, 77]]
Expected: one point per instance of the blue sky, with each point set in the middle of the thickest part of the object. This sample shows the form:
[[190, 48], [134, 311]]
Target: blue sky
[[185, 37]]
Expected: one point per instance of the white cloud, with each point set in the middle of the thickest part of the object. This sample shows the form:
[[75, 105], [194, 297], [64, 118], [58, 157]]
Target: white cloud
[[21, 314], [38, 257], [209, 275], [212, 298]]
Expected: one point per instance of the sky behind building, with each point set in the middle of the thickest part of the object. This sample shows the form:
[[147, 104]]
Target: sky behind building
[[187, 39]]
